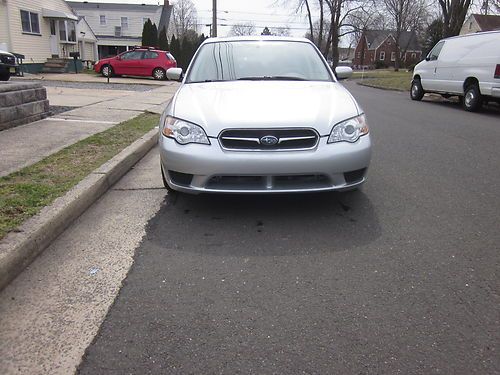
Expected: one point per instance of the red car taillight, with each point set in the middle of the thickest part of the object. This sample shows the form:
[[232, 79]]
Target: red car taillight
[[497, 71]]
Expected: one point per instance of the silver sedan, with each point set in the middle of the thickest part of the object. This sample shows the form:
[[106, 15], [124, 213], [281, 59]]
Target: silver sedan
[[262, 115]]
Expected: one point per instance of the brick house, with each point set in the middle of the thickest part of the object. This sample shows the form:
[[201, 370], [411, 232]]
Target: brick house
[[377, 48]]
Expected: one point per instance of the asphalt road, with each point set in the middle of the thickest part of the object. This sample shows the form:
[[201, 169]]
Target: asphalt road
[[401, 277]]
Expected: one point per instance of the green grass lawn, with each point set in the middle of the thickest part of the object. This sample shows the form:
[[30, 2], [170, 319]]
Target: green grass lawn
[[24, 193], [386, 79]]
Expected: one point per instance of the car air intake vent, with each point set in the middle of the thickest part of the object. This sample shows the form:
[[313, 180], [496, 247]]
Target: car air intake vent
[[269, 139]]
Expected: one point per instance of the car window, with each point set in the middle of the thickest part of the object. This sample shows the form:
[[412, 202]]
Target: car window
[[433, 55], [250, 59], [150, 55], [132, 55]]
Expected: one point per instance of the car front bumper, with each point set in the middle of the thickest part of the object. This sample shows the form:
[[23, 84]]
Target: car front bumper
[[196, 168]]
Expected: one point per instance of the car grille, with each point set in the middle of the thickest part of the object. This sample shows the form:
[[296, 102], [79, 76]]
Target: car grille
[[277, 139], [10, 60], [279, 182]]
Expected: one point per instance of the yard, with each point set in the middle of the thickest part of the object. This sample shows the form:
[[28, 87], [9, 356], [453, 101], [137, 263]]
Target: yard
[[385, 79]]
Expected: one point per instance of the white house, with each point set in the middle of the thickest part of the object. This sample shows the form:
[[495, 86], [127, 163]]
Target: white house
[[118, 27], [38, 30], [87, 41]]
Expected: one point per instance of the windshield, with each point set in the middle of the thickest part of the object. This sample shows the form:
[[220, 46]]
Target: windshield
[[258, 60]]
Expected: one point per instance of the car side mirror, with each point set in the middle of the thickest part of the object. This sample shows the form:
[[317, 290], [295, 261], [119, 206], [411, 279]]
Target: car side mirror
[[343, 72], [118, 57], [174, 74], [427, 58]]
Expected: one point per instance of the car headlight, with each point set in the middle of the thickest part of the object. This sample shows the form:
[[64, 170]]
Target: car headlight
[[184, 132], [349, 130]]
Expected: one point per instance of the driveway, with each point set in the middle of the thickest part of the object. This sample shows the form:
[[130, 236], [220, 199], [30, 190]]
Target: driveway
[[401, 277]]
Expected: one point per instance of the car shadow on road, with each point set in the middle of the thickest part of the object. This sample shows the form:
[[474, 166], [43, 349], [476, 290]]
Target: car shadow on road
[[265, 225], [490, 109]]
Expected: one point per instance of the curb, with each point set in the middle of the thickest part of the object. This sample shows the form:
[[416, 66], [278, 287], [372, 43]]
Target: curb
[[380, 88], [19, 248]]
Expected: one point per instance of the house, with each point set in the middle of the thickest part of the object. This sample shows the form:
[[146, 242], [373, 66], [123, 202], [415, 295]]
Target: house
[[118, 27], [38, 30], [480, 22], [87, 43], [377, 48]]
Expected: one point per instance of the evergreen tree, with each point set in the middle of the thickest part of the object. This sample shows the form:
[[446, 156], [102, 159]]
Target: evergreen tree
[[146, 33], [175, 48], [154, 36], [162, 40]]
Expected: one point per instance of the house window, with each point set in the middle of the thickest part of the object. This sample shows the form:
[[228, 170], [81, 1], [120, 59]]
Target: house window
[[30, 22], [62, 31], [67, 31], [382, 55], [393, 56], [118, 31], [124, 23], [71, 31], [102, 20]]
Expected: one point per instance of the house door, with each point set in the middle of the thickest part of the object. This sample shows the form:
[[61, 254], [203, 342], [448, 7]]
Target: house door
[[54, 43]]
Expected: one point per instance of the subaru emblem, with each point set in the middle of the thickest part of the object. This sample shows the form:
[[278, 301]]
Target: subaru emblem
[[269, 140]]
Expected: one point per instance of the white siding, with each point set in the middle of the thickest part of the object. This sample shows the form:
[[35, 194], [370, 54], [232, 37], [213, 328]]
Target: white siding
[[113, 18], [4, 27], [36, 48]]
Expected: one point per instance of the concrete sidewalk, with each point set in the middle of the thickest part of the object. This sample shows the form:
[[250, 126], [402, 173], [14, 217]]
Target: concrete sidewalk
[[30, 143], [86, 77]]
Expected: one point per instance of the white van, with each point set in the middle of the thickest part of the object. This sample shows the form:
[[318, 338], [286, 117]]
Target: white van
[[465, 65]]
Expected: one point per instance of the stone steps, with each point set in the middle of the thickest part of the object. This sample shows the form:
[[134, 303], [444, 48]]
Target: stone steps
[[21, 103], [56, 65]]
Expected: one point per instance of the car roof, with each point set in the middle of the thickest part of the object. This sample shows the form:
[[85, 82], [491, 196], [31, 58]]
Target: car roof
[[256, 38]]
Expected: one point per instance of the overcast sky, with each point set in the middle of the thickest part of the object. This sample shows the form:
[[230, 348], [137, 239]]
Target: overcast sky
[[261, 12]]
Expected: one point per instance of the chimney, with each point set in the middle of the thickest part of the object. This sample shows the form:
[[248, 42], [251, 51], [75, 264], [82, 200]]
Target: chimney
[[166, 3]]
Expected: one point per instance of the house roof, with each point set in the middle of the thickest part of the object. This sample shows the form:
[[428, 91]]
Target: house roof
[[112, 6], [487, 22], [407, 39]]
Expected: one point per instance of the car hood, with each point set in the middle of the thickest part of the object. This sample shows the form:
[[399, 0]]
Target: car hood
[[264, 104], [6, 53]]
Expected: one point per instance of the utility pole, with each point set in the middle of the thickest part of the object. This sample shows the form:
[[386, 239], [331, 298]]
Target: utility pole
[[214, 18]]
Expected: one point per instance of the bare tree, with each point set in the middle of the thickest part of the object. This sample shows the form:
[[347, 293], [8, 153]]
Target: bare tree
[[454, 13], [241, 29], [184, 17], [281, 31], [404, 16]]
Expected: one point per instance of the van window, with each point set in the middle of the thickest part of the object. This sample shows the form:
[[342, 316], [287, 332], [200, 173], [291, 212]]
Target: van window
[[433, 55]]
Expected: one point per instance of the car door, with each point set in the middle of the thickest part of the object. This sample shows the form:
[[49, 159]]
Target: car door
[[149, 62], [129, 63], [430, 72]]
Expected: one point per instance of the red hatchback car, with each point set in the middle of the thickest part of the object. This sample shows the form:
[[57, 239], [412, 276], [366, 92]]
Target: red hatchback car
[[141, 61]]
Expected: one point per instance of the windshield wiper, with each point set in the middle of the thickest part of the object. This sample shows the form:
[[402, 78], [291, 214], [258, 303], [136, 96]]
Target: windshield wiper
[[272, 78]]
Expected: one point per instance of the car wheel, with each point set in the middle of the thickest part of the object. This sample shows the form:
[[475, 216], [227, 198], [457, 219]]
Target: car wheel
[[159, 74], [107, 71], [472, 100], [4, 76], [416, 91]]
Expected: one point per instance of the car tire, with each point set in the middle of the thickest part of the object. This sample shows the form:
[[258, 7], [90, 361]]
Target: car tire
[[472, 100], [416, 91], [4, 76], [169, 189], [159, 74], [107, 71]]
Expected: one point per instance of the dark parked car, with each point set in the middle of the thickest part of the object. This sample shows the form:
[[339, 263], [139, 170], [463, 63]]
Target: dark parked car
[[7, 62], [141, 61]]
